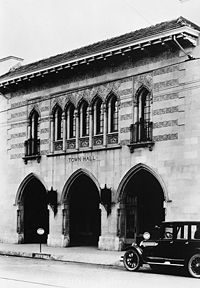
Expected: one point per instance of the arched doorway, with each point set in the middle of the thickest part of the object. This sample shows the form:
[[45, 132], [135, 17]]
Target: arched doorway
[[141, 205], [82, 211], [33, 211]]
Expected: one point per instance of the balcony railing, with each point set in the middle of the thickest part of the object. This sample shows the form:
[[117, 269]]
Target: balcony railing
[[112, 138], [58, 145], [141, 135], [32, 150]]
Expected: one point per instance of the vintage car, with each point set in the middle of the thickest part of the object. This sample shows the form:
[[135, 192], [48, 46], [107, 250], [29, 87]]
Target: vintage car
[[174, 243]]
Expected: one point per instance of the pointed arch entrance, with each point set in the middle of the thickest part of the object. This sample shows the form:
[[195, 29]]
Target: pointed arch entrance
[[141, 204], [81, 214], [32, 210]]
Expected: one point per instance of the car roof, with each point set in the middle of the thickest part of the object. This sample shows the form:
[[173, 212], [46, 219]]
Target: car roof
[[181, 222]]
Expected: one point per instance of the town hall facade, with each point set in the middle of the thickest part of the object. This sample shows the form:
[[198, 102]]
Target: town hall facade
[[102, 143]]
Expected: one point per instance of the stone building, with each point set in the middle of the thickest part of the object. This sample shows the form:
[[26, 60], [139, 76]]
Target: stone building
[[102, 143]]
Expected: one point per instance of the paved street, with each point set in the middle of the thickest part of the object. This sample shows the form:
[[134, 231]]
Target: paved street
[[28, 273]]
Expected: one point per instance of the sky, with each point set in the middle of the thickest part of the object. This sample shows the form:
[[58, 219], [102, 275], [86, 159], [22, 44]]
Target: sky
[[38, 29]]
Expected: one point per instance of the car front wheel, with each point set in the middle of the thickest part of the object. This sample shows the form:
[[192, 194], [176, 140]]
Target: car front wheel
[[193, 266], [132, 260]]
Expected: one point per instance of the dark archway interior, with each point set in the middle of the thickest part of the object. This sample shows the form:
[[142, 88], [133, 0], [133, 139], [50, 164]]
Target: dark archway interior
[[35, 212], [84, 212], [144, 201]]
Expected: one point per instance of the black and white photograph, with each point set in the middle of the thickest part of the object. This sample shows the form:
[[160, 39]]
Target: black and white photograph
[[99, 143]]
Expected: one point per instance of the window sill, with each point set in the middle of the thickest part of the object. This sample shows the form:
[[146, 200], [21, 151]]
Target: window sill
[[148, 144], [84, 150], [32, 157]]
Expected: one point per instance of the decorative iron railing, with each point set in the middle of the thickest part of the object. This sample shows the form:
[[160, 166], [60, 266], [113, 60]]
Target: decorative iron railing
[[141, 132], [32, 147], [141, 135]]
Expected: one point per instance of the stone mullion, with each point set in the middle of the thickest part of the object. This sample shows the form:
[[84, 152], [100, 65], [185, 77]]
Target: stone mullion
[[81, 122], [90, 127], [68, 124], [64, 130], [77, 129], [95, 119], [104, 125], [109, 117], [118, 124], [56, 126]]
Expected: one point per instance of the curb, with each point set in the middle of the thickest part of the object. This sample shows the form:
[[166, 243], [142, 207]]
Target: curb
[[46, 256]]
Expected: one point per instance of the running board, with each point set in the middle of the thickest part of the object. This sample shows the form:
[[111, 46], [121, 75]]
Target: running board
[[167, 263]]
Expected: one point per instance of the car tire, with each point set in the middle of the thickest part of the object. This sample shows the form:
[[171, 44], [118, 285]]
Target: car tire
[[193, 265], [132, 260]]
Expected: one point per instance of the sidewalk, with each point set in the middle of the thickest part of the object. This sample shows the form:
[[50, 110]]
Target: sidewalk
[[89, 255]]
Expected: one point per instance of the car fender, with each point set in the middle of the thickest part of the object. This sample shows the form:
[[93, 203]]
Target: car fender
[[134, 246], [196, 250]]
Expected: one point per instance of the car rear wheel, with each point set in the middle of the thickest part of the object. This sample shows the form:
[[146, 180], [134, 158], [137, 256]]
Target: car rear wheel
[[193, 266], [132, 260]]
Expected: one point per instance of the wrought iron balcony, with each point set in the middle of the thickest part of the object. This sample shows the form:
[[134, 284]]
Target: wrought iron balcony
[[32, 150], [141, 135]]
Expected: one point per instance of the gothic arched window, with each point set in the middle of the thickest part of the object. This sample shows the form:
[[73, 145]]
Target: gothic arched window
[[57, 119], [112, 108], [71, 121], [32, 145], [84, 119], [143, 114], [34, 117], [98, 116]]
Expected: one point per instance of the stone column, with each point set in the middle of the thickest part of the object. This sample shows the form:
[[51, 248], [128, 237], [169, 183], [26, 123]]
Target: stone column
[[64, 131], [65, 225], [81, 122], [77, 129], [56, 127], [68, 124], [54, 237], [104, 125], [95, 119], [109, 117], [90, 127], [118, 124]]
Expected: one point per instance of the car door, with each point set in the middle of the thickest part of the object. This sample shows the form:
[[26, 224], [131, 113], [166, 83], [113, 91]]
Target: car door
[[180, 243], [162, 250]]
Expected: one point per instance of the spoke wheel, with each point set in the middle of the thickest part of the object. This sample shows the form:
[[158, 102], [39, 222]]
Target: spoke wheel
[[193, 266], [132, 260]]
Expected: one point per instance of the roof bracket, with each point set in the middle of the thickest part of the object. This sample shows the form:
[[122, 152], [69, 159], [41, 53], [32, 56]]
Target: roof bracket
[[190, 57]]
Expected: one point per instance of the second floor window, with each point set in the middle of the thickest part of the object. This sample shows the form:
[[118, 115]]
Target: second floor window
[[112, 114], [98, 117], [34, 117], [32, 144], [57, 118], [84, 119], [143, 124], [71, 122]]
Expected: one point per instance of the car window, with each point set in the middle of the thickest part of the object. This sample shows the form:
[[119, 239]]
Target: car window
[[168, 232], [195, 231], [181, 232]]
